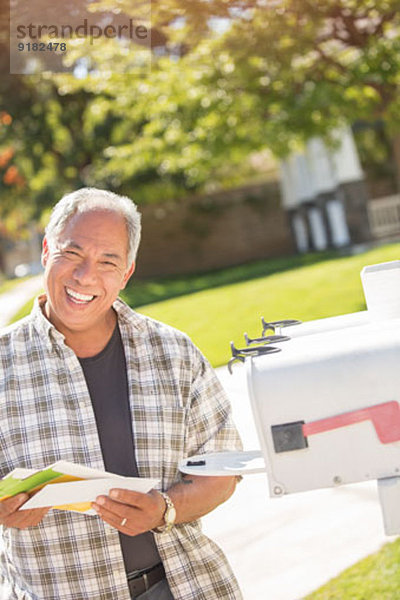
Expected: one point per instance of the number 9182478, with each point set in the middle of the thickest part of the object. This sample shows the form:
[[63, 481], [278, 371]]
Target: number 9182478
[[42, 46]]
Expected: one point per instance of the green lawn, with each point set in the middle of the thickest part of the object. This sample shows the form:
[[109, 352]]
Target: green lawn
[[217, 307], [376, 577], [213, 317], [141, 292]]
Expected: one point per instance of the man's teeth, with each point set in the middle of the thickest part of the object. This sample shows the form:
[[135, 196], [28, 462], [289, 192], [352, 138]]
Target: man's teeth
[[79, 297]]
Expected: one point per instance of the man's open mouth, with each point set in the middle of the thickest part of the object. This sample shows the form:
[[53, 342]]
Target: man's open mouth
[[78, 297]]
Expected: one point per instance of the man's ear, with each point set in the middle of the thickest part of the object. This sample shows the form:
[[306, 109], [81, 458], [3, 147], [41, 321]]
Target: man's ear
[[45, 252], [128, 275]]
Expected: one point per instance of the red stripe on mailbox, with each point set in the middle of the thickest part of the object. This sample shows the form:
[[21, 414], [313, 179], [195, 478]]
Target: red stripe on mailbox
[[385, 419]]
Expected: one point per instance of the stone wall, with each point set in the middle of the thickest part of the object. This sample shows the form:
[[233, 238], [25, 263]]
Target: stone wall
[[214, 231]]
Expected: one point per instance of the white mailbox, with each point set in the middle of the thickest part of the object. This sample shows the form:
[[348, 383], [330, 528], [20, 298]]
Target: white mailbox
[[325, 397], [327, 409]]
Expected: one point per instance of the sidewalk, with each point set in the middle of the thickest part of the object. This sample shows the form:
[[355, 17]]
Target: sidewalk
[[283, 549], [12, 301]]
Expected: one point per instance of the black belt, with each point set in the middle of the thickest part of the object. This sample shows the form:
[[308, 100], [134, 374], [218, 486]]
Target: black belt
[[141, 581]]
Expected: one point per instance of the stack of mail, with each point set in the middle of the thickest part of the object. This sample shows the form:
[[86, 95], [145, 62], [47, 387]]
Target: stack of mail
[[67, 486]]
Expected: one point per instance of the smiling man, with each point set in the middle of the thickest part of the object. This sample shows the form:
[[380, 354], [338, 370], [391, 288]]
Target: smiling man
[[86, 379], [85, 269]]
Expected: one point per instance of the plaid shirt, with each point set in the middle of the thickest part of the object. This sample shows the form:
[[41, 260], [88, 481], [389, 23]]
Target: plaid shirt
[[178, 409]]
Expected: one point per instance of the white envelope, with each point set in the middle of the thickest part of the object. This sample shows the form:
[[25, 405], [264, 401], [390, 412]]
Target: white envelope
[[74, 495], [77, 492]]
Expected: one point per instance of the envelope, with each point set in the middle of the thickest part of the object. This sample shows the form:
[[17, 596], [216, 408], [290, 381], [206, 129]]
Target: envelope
[[68, 486]]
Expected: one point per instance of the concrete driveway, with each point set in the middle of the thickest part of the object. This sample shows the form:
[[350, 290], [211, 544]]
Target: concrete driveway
[[283, 549]]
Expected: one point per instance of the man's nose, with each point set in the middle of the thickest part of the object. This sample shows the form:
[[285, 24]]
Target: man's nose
[[85, 272]]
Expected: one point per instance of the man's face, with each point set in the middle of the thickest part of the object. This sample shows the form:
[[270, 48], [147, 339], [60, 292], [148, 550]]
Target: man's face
[[85, 270]]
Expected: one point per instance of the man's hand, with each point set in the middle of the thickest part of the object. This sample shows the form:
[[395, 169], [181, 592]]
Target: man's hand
[[11, 516], [131, 512]]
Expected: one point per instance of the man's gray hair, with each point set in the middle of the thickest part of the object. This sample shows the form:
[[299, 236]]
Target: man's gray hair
[[87, 199]]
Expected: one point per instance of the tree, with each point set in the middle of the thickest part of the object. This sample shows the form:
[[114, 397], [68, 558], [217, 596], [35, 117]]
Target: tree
[[63, 134], [310, 64], [275, 78], [269, 77]]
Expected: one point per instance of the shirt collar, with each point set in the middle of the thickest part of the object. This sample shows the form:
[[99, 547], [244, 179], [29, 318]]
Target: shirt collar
[[127, 318]]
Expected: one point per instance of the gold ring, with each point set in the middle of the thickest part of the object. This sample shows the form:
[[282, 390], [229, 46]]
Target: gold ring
[[123, 522]]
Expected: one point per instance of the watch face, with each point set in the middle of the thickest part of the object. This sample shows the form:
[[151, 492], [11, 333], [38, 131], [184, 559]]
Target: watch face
[[170, 515]]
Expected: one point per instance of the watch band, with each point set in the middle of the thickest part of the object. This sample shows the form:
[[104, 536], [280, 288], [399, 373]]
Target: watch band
[[169, 515]]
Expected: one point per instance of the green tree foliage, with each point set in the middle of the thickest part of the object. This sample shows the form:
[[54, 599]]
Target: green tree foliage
[[66, 134], [276, 77], [227, 78], [174, 130], [311, 63]]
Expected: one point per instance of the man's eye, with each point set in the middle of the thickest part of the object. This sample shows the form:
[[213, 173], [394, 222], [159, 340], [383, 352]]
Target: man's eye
[[108, 263]]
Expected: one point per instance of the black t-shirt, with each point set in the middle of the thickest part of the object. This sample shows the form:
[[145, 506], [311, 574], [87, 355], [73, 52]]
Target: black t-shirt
[[107, 381]]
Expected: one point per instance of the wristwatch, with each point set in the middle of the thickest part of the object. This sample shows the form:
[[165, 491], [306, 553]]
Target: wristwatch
[[169, 515]]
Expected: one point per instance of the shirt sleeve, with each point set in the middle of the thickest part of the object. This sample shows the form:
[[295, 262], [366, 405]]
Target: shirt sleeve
[[210, 424]]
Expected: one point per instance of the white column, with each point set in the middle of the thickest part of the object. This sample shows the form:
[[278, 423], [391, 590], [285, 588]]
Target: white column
[[337, 222], [300, 233], [317, 228]]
